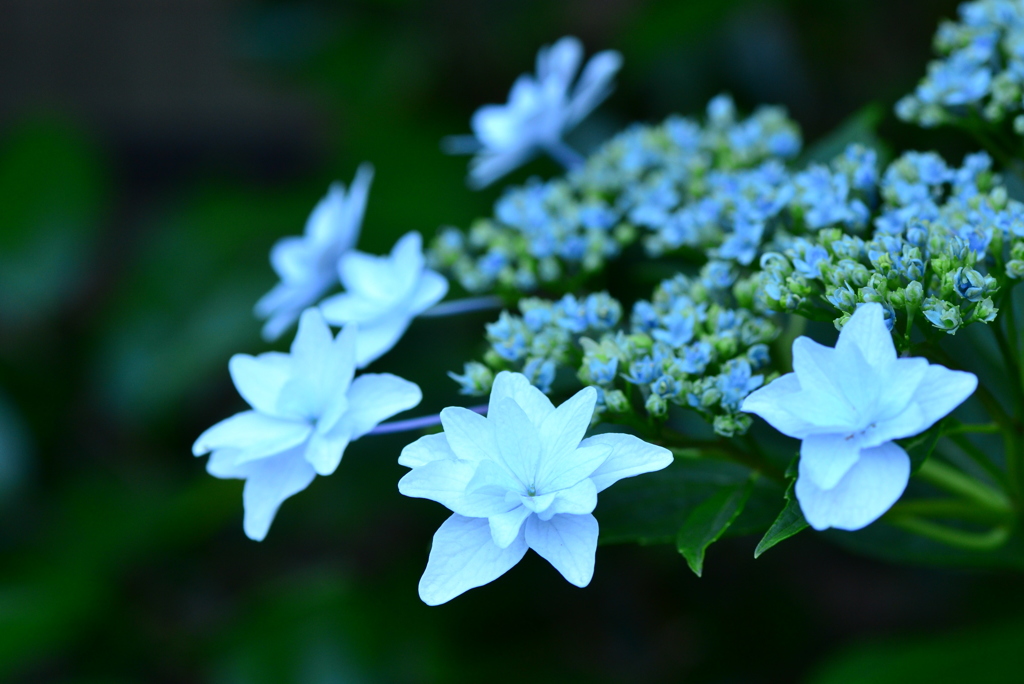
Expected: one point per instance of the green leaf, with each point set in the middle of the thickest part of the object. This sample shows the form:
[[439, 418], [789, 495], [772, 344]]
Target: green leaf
[[709, 521], [651, 508], [790, 521], [919, 448]]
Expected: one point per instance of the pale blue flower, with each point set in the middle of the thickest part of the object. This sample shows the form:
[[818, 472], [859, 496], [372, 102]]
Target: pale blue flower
[[308, 265], [383, 294], [540, 110], [848, 404], [306, 408], [522, 477]]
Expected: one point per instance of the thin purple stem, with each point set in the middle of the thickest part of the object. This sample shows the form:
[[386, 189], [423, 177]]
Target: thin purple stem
[[416, 423], [459, 306]]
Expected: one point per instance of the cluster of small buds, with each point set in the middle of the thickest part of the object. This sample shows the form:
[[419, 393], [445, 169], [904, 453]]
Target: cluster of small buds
[[695, 344], [937, 250], [979, 70], [544, 233]]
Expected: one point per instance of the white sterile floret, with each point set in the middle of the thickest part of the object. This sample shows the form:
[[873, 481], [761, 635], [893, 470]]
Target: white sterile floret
[[521, 477], [540, 110], [383, 295], [848, 404], [308, 265], [306, 408]]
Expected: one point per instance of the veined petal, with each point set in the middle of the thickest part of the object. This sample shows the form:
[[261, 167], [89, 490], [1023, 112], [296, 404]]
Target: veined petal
[[253, 434], [518, 441], [505, 527], [470, 435], [824, 459], [268, 482], [338, 371], [562, 431], [576, 466], [629, 456], [579, 499], [464, 556], [568, 542], [259, 379], [426, 449], [769, 403], [324, 452], [375, 397], [818, 369], [902, 378], [867, 332], [822, 411], [443, 480], [377, 337], [868, 490], [431, 289], [515, 386], [942, 390]]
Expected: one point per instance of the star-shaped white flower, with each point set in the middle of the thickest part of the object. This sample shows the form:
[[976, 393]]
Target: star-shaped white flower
[[383, 295], [306, 409], [308, 265], [848, 404], [522, 477], [540, 110]]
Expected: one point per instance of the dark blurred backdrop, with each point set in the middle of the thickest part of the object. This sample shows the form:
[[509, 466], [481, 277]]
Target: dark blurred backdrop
[[152, 152]]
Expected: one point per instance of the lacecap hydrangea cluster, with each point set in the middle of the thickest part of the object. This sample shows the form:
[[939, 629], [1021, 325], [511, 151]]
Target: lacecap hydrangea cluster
[[551, 233], [930, 243], [979, 71]]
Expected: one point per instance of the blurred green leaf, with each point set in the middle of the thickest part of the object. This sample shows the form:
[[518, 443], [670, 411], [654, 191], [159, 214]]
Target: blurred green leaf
[[790, 521], [921, 446], [709, 521], [988, 655]]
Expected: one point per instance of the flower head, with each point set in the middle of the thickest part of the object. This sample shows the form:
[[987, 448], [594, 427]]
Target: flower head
[[521, 477], [308, 265], [383, 295], [306, 408], [540, 110], [848, 404]]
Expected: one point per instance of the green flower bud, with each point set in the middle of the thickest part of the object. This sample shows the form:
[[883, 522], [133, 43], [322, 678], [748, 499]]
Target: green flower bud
[[616, 401], [656, 406]]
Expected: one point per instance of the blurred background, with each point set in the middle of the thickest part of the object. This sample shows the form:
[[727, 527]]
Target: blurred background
[[152, 152]]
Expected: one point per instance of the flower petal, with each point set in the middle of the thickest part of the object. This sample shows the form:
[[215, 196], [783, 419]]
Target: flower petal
[[563, 430], [629, 456], [941, 391], [259, 379], [268, 482], [253, 434], [568, 542], [594, 85], [374, 397], [470, 435], [768, 402], [867, 332], [324, 452], [575, 467], [377, 337], [518, 441], [826, 458], [579, 499], [312, 344], [505, 527], [338, 370], [517, 387], [464, 556], [426, 449], [443, 481], [431, 288], [868, 490], [349, 307]]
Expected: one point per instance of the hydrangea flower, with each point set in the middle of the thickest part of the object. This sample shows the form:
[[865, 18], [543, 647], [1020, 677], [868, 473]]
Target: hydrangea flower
[[308, 265], [306, 408], [383, 295], [522, 477], [847, 405], [540, 110]]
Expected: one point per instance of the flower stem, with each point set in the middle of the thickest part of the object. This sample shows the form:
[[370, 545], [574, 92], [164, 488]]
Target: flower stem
[[565, 155], [415, 423], [978, 456], [460, 306], [961, 539], [956, 509], [953, 481]]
